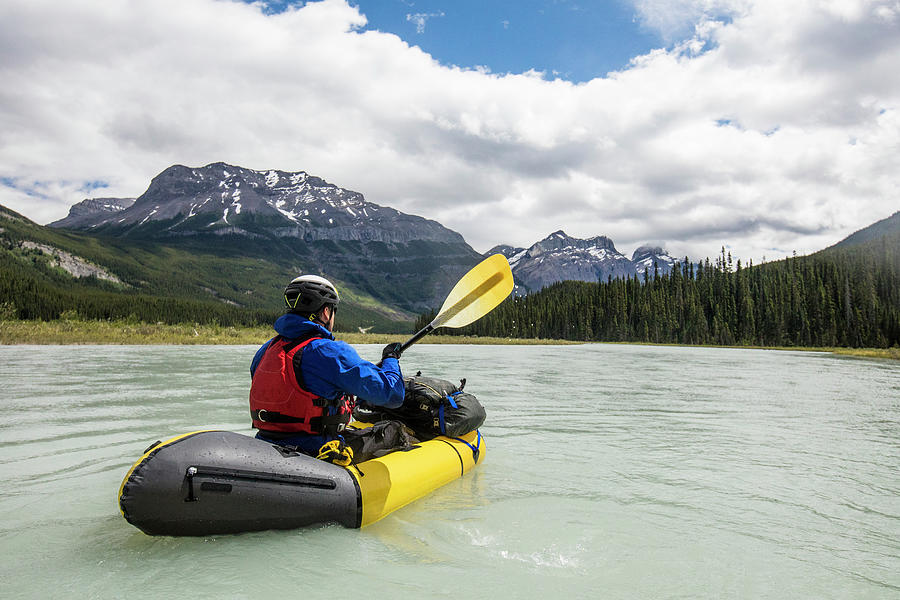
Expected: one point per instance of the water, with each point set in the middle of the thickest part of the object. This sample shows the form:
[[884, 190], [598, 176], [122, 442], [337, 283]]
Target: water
[[612, 472]]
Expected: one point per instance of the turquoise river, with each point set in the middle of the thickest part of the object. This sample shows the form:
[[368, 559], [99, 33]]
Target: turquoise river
[[612, 471]]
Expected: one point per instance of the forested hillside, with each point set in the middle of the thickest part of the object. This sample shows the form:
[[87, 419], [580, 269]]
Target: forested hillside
[[150, 282], [847, 295]]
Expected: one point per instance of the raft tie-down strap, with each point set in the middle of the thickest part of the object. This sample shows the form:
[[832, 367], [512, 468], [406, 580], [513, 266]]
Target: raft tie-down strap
[[476, 449], [270, 416], [441, 423], [330, 424], [325, 424]]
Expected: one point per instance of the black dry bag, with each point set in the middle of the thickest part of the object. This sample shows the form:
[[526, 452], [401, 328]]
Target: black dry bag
[[434, 407]]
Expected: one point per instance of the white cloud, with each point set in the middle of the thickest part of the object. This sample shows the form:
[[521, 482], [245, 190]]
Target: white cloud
[[675, 19], [421, 19], [774, 130]]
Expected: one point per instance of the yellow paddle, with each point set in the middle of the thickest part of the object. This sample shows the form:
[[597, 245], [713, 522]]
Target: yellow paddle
[[475, 295]]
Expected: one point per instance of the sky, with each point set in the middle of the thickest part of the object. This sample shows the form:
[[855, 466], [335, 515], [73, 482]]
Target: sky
[[762, 126]]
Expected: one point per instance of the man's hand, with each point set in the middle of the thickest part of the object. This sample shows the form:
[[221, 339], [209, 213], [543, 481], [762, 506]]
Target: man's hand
[[391, 351]]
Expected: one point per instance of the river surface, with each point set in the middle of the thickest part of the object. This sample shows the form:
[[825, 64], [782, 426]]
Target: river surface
[[612, 472]]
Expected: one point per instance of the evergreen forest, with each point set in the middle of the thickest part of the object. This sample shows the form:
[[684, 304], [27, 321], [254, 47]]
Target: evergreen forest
[[210, 285], [844, 296]]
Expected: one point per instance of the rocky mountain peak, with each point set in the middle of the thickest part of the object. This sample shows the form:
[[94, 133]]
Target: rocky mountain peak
[[220, 198], [90, 210], [644, 251], [504, 249], [645, 257], [561, 257], [559, 240]]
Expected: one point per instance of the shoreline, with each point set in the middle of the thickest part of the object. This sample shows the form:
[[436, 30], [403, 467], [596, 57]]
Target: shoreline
[[86, 333], [887, 353], [74, 332]]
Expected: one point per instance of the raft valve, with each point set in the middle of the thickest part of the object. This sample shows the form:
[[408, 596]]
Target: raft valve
[[191, 471]]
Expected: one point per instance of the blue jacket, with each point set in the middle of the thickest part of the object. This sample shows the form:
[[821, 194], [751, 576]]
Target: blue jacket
[[332, 368]]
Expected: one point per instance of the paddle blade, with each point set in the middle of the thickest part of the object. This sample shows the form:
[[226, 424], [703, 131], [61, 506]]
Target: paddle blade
[[477, 293]]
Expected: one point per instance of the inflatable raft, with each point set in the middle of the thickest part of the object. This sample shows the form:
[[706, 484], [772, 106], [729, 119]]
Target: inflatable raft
[[214, 482]]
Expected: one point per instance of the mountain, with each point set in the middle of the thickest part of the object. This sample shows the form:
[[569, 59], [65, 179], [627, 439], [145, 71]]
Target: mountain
[[47, 272], [225, 199], [884, 227], [299, 221], [92, 210], [560, 257], [646, 258]]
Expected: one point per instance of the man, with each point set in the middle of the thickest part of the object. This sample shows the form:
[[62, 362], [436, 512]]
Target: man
[[304, 381]]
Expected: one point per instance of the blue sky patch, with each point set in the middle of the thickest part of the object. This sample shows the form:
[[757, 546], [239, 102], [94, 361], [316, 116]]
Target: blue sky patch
[[89, 186], [575, 41], [728, 123]]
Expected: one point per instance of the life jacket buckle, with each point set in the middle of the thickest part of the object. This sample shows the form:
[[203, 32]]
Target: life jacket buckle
[[259, 415]]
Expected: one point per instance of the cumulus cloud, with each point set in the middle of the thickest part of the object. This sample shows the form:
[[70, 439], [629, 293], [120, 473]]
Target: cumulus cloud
[[768, 127]]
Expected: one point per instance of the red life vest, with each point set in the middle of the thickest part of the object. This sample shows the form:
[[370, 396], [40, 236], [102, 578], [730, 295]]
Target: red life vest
[[278, 402]]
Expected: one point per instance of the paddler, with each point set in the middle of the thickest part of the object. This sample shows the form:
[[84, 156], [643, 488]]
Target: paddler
[[304, 382]]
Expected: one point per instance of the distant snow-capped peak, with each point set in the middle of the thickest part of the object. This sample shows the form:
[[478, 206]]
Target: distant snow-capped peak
[[645, 257], [560, 257]]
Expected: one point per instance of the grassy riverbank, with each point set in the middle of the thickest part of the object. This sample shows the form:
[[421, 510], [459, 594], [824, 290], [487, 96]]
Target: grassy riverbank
[[127, 332], [893, 353], [890, 353]]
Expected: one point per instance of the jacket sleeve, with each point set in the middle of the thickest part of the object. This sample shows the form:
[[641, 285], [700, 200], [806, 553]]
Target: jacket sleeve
[[333, 367]]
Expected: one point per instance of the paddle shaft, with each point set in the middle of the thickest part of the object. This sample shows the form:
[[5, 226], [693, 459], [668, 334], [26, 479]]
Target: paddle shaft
[[422, 333]]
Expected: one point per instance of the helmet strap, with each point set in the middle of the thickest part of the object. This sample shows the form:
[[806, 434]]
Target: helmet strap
[[315, 316]]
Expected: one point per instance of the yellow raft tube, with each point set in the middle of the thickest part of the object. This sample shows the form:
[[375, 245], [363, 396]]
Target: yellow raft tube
[[213, 482], [395, 480]]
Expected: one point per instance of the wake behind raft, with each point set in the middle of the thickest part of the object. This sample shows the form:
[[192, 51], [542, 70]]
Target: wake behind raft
[[216, 482]]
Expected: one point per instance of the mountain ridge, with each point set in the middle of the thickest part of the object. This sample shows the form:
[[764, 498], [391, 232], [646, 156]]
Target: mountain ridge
[[560, 257], [226, 199], [878, 229], [296, 219]]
